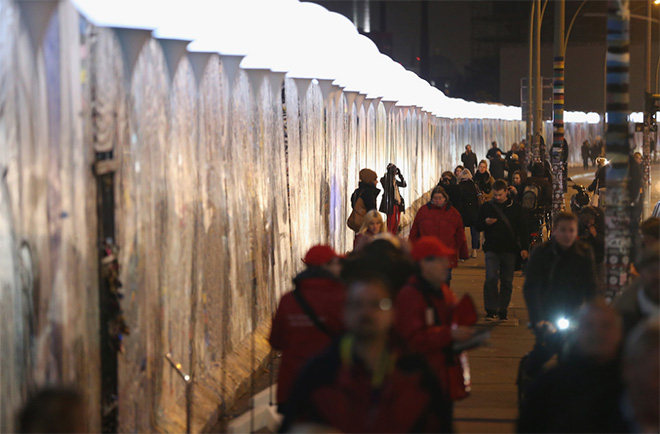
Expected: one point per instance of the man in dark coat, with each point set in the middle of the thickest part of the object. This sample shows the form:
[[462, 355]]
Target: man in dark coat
[[492, 152], [506, 234], [469, 208], [361, 383], [469, 159], [392, 204], [497, 166], [583, 393], [560, 277]]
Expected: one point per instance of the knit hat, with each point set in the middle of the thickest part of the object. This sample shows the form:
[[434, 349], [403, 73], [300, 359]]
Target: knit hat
[[430, 247], [368, 176], [465, 174], [319, 255]]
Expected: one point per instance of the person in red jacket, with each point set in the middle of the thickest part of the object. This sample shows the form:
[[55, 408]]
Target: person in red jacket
[[441, 220], [425, 319], [308, 318], [361, 383]]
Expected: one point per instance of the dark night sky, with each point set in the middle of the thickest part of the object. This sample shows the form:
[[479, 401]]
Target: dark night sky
[[465, 36]]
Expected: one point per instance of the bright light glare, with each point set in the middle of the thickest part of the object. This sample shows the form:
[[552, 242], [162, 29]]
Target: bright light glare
[[563, 324]]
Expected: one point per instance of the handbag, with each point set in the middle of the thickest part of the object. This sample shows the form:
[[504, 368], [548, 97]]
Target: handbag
[[458, 368], [356, 218]]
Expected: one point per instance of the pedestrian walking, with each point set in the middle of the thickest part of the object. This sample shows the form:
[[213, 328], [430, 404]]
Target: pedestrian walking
[[373, 225], [449, 182], [309, 317], [506, 240], [469, 208], [361, 383], [560, 277], [392, 204], [441, 220], [586, 152], [512, 166], [363, 198], [484, 181], [469, 159], [517, 187], [595, 150], [492, 152], [497, 166], [427, 321]]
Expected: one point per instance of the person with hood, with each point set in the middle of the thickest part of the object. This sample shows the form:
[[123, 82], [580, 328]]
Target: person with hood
[[427, 320], [469, 208], [484, 181], [309, 317], [441, 220], [469, 159], [363, 198], [392, 204]]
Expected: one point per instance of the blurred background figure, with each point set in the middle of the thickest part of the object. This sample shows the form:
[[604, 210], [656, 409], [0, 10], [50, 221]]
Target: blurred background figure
[[583, 392], [54, 410], [641, 375], [360, 383], [469, 160], [640, 300], [309, 317]]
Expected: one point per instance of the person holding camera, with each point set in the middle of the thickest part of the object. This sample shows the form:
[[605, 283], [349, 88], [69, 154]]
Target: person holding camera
[[392, 203]]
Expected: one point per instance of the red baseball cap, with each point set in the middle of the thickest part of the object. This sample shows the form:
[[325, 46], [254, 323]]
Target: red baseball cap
[[319, 255], [430, 246]]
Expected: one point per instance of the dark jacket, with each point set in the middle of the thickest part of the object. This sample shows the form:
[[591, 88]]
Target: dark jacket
[[497, 166], [336, 390], [499, 238], [469, 161], [578, 396], [558, 282], [511, 168], [390, 184], [585, 151], [485, 183], [492, 153], [600, 179], [454, 193], [293, 332], [368, 193], [597, 243], [469, 205]]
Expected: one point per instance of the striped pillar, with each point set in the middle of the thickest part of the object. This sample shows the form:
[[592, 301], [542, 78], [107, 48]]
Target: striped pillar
[[618, 239], [558, 137]]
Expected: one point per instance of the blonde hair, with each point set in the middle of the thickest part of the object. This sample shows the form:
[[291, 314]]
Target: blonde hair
[[368, 218]]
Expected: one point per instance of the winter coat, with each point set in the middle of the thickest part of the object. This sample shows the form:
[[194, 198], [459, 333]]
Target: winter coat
[[600, 179], [485, 183], [492, 153], [469, 206], [391, 194], [368, 192], [499, 238], [454, 193], [558, 282], [444, 223], [511, 168], [577, 396], [469, 161], [585, 151], [417, 335], [336, 390], [293, 332], [497, 168]]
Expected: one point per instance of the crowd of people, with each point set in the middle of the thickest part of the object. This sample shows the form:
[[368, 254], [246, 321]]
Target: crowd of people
[[376, 340]]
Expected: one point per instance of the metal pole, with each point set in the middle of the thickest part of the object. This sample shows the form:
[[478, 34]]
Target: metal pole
[[618, 237], [529, 134], [647, 119], [538, 86], [557, 153]]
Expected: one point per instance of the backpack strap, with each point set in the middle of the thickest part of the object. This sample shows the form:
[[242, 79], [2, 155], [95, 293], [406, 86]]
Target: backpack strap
[[506, 221], [427, 297], [297, 294]]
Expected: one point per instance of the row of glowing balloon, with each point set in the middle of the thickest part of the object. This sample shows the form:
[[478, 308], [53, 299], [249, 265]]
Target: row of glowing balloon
[[303, 40]]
